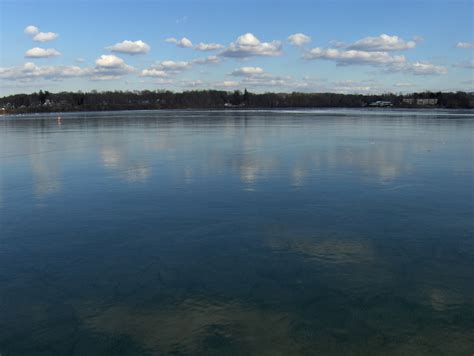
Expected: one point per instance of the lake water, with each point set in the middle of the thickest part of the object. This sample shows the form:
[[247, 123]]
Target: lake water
[[328, 232]]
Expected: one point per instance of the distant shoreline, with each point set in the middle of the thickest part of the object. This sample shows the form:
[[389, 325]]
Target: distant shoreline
[[46, 102]]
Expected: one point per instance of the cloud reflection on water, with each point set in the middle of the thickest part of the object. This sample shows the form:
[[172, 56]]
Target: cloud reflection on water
[[195, 325]]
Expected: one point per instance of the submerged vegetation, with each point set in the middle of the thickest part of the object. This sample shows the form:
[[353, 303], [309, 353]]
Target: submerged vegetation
[[44, 101]]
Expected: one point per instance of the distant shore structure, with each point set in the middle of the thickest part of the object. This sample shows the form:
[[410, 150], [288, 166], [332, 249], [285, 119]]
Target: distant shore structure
[[381, 104], [413, 101]]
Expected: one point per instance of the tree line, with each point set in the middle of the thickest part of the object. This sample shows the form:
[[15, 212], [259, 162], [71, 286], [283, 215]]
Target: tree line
[[44, 101]]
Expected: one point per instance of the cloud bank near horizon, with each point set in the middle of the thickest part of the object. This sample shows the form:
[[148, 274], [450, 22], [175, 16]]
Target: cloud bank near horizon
[[385, 54]]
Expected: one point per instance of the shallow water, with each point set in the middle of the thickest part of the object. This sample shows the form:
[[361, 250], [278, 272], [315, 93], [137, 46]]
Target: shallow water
[[336, 232]]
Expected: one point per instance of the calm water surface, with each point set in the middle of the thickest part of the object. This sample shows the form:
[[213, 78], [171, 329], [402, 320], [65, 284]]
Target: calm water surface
[[331, 232]]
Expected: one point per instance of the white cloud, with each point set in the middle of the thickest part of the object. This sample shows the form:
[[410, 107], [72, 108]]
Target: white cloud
[[208, 46], [31, 30], [348, 57], [130, 47], [166, 68], [109, 61], [382, 43], [183, 42], [45, 36], [418, 68], [175, 66], [248, 71], [153, 72], [380, 59], [109, 66], [187, 43], [465, 45], [228, 83], [103, 77], [207, 60], [248, 45], [299, 39], [37, 52], [30, 71], [38, 36]]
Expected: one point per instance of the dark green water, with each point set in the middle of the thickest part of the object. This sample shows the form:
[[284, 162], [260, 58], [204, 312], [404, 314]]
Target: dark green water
[[266, 233]]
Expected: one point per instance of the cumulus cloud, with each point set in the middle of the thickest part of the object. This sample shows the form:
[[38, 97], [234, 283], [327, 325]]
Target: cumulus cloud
[[465, 45], [38, 36], [109, 61], [183, 42], [382, 43], [30, 71], [299, 39], [31, 30], [166, 68], [175, 66], [130, 47], [153, 72], [207, 60], [348, 57], [45, 36], [248, 71], [109, 67], [418, 68], [208, 46], [390, 63], [37, 52], [248, 45], [187, 43]]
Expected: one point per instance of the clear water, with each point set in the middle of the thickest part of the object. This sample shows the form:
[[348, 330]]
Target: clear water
[[335, 232]]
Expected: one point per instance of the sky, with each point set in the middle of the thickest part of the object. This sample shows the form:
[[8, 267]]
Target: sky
[[278, 46]]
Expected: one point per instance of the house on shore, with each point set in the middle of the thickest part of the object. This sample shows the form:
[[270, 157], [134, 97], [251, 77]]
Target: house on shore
[[420, 102]]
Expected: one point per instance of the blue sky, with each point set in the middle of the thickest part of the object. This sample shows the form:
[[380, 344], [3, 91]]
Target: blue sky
[[283, 46]]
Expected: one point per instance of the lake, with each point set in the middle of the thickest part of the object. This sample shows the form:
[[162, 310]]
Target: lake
[[329, 232]]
